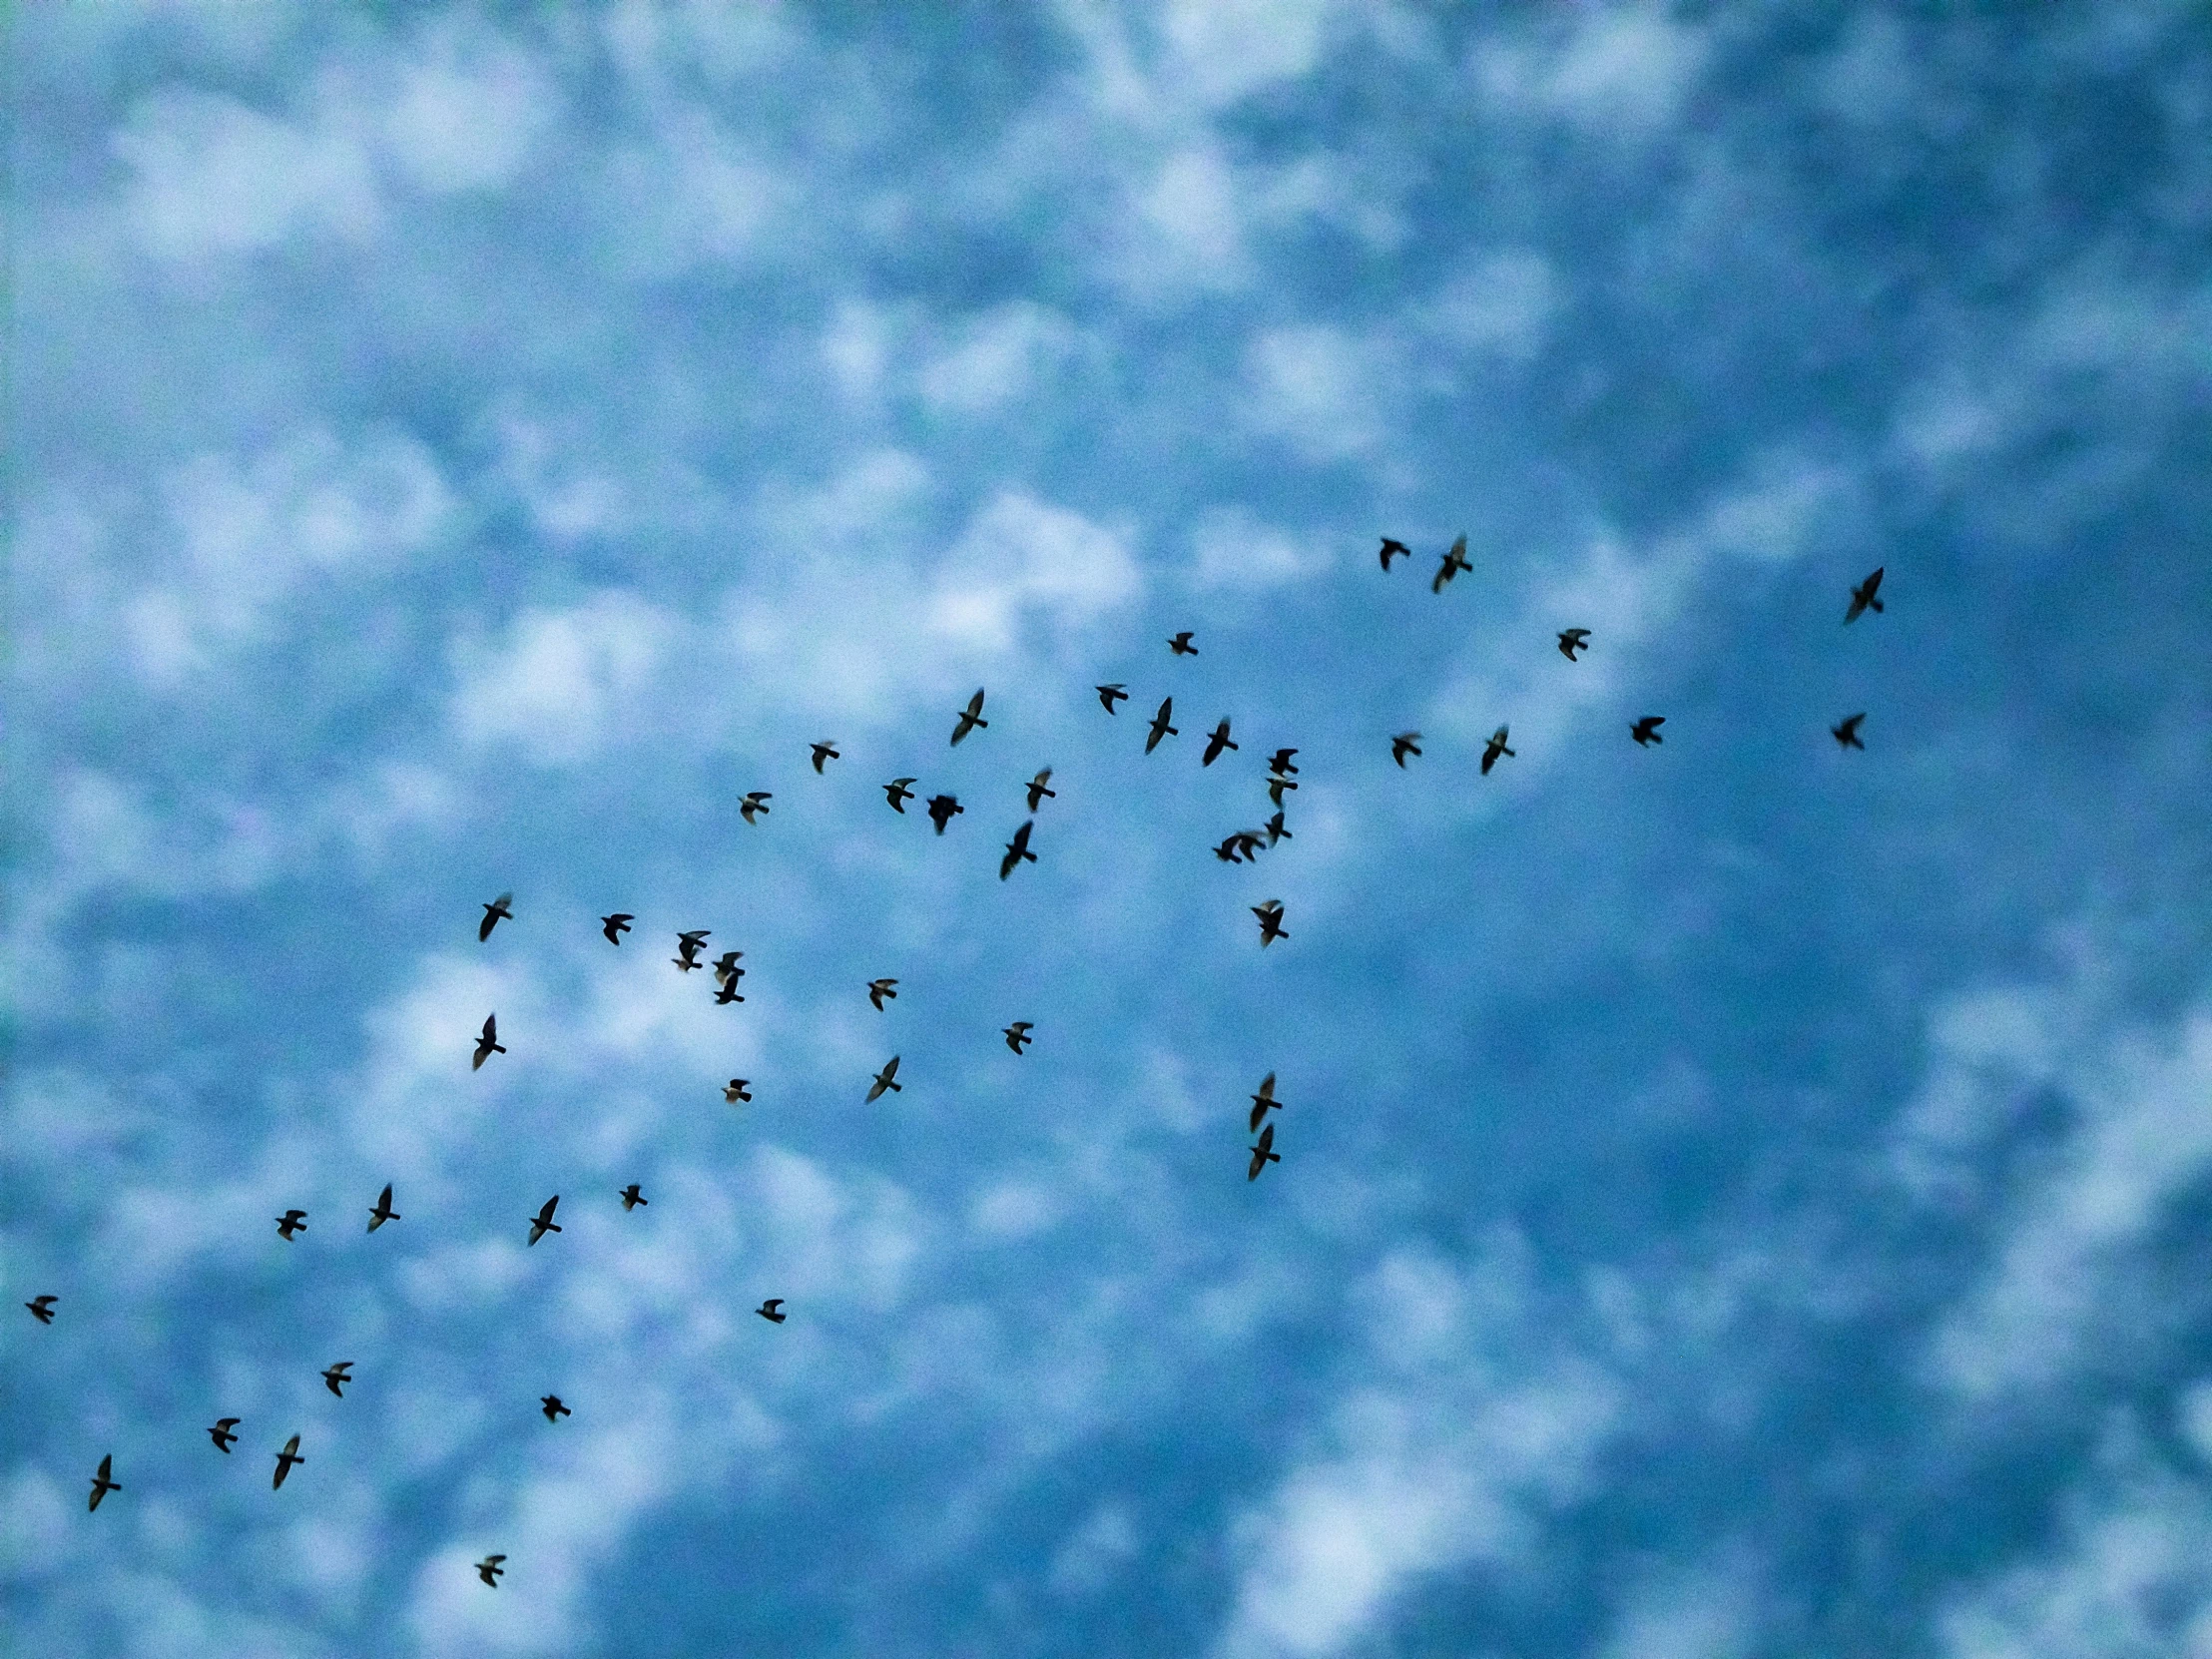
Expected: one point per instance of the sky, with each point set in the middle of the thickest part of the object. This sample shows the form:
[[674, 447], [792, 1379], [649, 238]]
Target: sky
[[1739, 1197]]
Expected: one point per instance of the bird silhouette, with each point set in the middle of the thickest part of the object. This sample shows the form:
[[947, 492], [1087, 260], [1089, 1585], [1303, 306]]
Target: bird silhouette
[[219, 1433], [1846, 734], [1271, 921], [1863, 596], [1180, 645], [1217, 742], [1249, 844], [495, 913], [727, 970], [1017, 850], [897, 794], [1646, 729], [1280, 761], [543, 1223], [880, 991], [886, 1079], [284, 1461], [101, 1484], [1493, 748], [943, 809], [1405, 743], [1276, 786], [487, 1043], [1108, 696], [490, 1569], [616, 925], [553, 1409], [1017, 1034], [754, 805], [688, 948], [42, 1309], [771, 1310], [824, 752], [1160, 727], [972, 717], [384, 1211], [1455, 562], [1228, 852], [1275, 830], [335, 1377], [729, 992], [736, 1089], [1392, 549], [632, 1197], [1264, 1101], [1573, 639], [1263, 1154], [1037, 789], [292, 1222]]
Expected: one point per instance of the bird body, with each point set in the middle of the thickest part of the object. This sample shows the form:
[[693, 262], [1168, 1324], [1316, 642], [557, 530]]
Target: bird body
[[1263, 1154], [1271, 921], [495, 913], [487, 1043], [101, 1484], [729, 993], [1646, 729], [1573, 640], [615, 925], [726, 968], [1180, 645], [284, 1461], [335, 1377], [292, 1222], [1016, 1034], [888, 1078], [1455, 562], [943, 809], [880, 991], [1846, 734], [219, 1433], [1276, 786], [897, 794], [1275, 830], [1108, 696], [1392, 549], [554, 1411], [384, 1211], [1264, 1101], [1493, 748], [42, 1309], [1160, 727], [1017, 850], [1037, 789], [771, 1310], [1280, 761], [1863, 596], [1217, 742], [688, 948], [1405, 743], [543, 1223], [972, 717], [754, 805], [737, 1090], [632, 1197], [824, 752], [490, 1569]]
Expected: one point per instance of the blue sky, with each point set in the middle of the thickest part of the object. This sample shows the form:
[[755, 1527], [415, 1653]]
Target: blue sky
[[1737, 1197]]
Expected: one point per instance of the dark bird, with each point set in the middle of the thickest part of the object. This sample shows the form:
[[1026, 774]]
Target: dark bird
[[1455, 562], [1017, 850], [1217, 742], [487, 1043], [688, 948], [1573, 639], [1863, 596], [632, 1197], [42, 1309], [1276, 786], [1405, 743], [1108, 696], [284, 1461], [1275, 830], [1263, 1154], [888, 1078], [335, 1377], [771, 1310], [880, 991], [494, 913], [1227, 852], [726, 968], [1846, 734], [1017, 1034], [221, 1433], [1160, 727], [543, 1223], [1646, 729], [553, 1409], [729, 992], [1281, 762], [737, 1089], [897, 794], [755, 801], [824, 752], [1037, 789], [1180, 645], [616, 925], [1271, 921], [1493, 748], [1264, 1101], [943, 809], [1393, 548], [384, 1211], [1249, 844], [972, 717], [291, 1222], [101, 1484], [490, 1569]]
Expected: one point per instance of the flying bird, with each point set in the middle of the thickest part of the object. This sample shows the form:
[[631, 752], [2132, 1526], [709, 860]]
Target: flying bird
[[1573, 639], [335, 1377], [1264, 1101], [897, 794], [553, 1409], [1493, 748], [755, 801], [101, 1484], [1847, 734], [284, 1461], [384, 1211], [1275, 830], [1160, 727], [1646, 729], [1180, 645], [1276, 786], [1217, 742], [1017, 850], [616, 925], [824, 752], [943, 809], [1017, 1034], [1863, 596], [726, 968], [1405, 743], [1037, 789], [219, 1433], [1455, 562], [888, 1078], [688, 948], [1227, 852], [490, 1569], [1263, 1154], [632, 1197], [1280, 761], [1249, 844], [42, 1309], [1108, 696], [489, 1043], [972, 717], [729, 992], [771, 1310], [880, 991], [543, 1223], [1271, 921], [291, 1222], [495, 913], [736, 1089], [1393, 548]]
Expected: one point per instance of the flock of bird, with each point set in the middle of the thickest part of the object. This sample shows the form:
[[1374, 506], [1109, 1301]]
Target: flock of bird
[[1243, 846]]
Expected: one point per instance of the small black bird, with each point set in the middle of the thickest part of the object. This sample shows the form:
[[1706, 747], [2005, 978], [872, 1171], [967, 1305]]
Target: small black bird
[[1227, 852], [490, 1569], [42, 1309], [384, 1211], [616, 925], [1017, 850], [880, 991], [897, 794], [221, 1433], [943, 809], [972, 717], [1217, 742], [495, 913], [632, 1197], [1280, 761], [1276, 786], [1573, 639], [755, 801], [1275, 830], [886, 1079], [1646, 729], [771, 1310], [1108, 696], [101, 1484], [1037, 789], [1847, 734], [553, 1409], [824, 752], [729, 992], [1264, 1101], [726, 968], [1016, 1034], [1160, 727], [543, 1223], [1271, 921], [737, 1089], [1455, 562], [489, 1043], [1405, 743], [1393, 548], [335, 1377], [1494, 750], [284, 1461], [1263, 1154], [1248, 843], [688, 948], [1863, 596], [1180, 645], [291, 1222]]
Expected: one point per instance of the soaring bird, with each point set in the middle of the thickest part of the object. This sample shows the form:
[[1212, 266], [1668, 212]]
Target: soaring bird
[[1280, 761], [1271, 921], [616, 925], [888, 1078], [737, 1089], [771, 1310], [1846, 734], [688, 948], [1573, 640], [1108, 696], [1037, 789], [1249, 844], [1017, 1034], [219, 1433], [42, 1309], [101, 1484], [1393, 548], [1180, 645], [1646, 729], [1863, 596], [291, 1222], [897, 794], [284, 1461], [1276, 786], [824, 752], [1275, 830], [335, 1377], [1017, 850], [1455, 562], [1264, 1101], [1160, 727], [1217, 742], [495, 913], [729, 991], [726, 968], [1493, 748], [943, 809], [1228, 852], [554, 1411], [632, 1197], [1405, 743], [972, 717], [755, 802], [384, 1211], [490, 1569], [543, 1223], [487, 1043], [1263, 1154], [880, 991]]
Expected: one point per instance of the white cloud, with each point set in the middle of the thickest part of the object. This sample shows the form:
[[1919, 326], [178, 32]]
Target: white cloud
[[467, 114], [995, 359], [563, 684], [1221, 51], [1235, 549], [1620, 69], [1500, 306], [1090, 1557], [1021, 563], [1321, 388]]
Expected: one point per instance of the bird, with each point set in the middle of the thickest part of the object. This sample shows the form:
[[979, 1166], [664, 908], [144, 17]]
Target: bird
[[1573, 640], [688, 948], [42, 1309], [771, 1310], [1393, 548], [1249, 844], [1217, 742], [284, 1461], [1646, 729], [1863, 596], [632, 1197], [1276, 786], [494, 913], [726, 968], [101, 1484], [1227, 852], [943, 809], [1108, 696], [553, 1409], [1037, 789], [1017, 1034], [1455, 562], [1271, 921], [880, 991], [384, 1211], [292, 1222], [219, 1433], [824, 752], [335, 1377], [1017, 850], [489, 1043], [1281, 762], [1405, 743], [729, 992], [736, 1089], [972, 717], [543, 1223], [1275, 830], [1160, 727], [1263, 1154], [755, 801], [1494, 750], [1180, 645], [1263, 1100], [1846, 734], [616, 925], [897, 794], [490, 1569], [888, 1078]]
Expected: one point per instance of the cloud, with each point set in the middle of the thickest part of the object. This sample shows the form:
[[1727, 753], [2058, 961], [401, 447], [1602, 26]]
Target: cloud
[[992, 360], [468, 113], [563, 684], [1234, 549], [1622, 70], [1321, 388], [1023, 563]]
